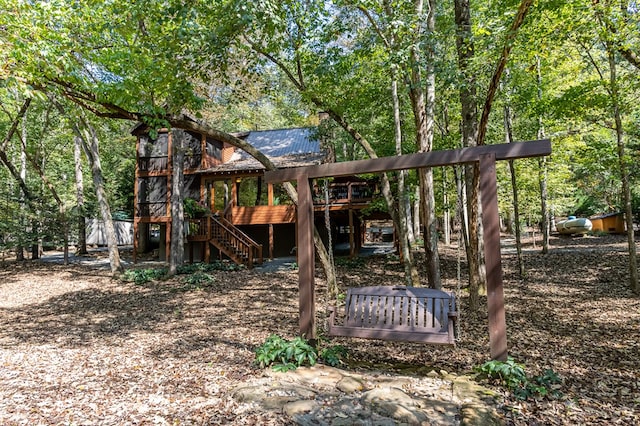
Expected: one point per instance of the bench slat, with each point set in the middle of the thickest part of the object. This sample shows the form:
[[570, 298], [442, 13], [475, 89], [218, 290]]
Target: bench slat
[[397, 313]]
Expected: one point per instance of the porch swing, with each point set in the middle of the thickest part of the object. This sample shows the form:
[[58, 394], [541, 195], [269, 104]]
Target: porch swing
[[394, 313], [398, 313]]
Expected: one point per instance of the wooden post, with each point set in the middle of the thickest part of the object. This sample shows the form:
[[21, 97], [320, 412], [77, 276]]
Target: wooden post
[[136, 232], [169, 195], [136, 203], [352, 248], [271, 241], [207, 244], [491, 224], [167, 239], [306, 259], [270, 194]]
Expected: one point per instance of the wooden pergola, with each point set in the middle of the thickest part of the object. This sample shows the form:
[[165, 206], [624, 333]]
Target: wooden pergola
[[485, 155]]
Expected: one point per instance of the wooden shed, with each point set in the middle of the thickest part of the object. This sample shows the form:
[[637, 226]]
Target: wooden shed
[[612, 223]]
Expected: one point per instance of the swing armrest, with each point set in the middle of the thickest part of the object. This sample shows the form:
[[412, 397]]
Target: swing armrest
[[453, 314]]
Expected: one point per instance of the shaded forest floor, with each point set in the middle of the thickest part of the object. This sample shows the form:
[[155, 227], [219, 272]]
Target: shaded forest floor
[[77, 347]]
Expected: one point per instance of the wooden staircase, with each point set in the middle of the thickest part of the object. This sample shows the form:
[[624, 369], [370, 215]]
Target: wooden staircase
[[227, 238]]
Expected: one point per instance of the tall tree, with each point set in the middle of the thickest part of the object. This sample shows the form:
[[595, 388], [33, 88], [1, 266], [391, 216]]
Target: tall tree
[[90, 144], [176, 255], [469, 124], [603, 11], [82, 227]]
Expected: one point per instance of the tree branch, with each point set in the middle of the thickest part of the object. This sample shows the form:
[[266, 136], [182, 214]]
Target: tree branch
[[523, 9]]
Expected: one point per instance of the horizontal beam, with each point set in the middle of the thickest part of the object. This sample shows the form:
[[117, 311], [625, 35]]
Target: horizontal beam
[[509, 151]]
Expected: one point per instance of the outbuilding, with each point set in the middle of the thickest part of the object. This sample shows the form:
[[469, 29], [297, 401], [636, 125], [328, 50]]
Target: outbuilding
[[612, 223]]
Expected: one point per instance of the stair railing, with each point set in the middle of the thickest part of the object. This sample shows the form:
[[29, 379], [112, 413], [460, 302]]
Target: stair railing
[[235, 241]]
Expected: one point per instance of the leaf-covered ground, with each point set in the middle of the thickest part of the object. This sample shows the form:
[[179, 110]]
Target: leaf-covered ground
[[79, 348]]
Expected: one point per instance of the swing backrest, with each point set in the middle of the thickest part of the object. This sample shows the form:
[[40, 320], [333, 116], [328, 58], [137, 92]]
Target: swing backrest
[[398, 313]]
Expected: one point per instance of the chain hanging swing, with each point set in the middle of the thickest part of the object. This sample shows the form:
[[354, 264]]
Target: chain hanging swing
[[327, 223]]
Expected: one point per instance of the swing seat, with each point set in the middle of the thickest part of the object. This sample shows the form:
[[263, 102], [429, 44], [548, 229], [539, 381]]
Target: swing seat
[[407, 314]]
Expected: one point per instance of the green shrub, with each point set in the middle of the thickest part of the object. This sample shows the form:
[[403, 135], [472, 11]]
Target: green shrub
[[285, 355], [512, 375], [143, 276], [208, 267], [333, 355], [197, 280]]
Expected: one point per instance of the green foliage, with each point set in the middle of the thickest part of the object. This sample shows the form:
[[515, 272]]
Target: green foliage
[[143, 276], [195, 276], [284, 355], [512, 376], [194, 208], [198, 280], [208, 267], [333, 355]]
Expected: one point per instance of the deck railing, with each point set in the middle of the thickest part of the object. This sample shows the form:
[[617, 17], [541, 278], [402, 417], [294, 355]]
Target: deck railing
[[345, 193]]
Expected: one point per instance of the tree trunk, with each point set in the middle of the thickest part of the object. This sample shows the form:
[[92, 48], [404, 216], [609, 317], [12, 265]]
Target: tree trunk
[[82, 227], [446, 215], [508, 128], [62, 211], [89, 139], [624, 176], [410, 272], [423, 107], [542, 174], [176, 253], [468, 102], [518, 20], [23, 176], [416, 212], [26, 195]]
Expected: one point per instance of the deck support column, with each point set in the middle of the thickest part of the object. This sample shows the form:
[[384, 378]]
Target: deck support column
[[271, 241], [491, 225], [306, 259], [352, 244]]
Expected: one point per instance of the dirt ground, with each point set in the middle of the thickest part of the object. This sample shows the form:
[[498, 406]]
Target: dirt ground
[[77, 347]]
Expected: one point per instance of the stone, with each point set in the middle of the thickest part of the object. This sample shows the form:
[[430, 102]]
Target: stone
[[272, 396], [318, 375], [299, 407], [394, 403], [388, 394], [350, 385], [433, 374], [478, 415]]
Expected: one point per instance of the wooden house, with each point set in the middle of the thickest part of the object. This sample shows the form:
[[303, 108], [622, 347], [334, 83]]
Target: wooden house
[[244, 218], [612, 223]]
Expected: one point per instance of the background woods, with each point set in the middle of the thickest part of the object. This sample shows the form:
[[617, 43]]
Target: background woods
[[392, 77]]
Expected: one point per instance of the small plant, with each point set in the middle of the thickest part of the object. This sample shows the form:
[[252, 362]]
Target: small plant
[[143, 276], [198, 280], [284, 355], [333, 355], [194, 208], [208, 267], [512, 375]]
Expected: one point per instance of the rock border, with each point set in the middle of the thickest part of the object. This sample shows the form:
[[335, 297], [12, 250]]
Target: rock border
[[323, 395]]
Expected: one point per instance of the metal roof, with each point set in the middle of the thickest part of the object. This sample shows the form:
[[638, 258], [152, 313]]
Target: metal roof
[[283, 142], [286, 148]]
